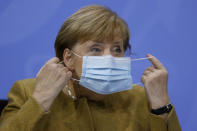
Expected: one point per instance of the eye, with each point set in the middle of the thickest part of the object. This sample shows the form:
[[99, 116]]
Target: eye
[[117, 50], [95, 50]]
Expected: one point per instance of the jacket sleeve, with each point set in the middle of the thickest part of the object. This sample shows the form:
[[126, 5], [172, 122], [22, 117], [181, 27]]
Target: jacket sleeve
[[22, 112], [159, 124], [156, 123]]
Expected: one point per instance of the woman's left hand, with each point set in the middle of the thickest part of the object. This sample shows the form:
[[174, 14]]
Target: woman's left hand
[[155, 79]]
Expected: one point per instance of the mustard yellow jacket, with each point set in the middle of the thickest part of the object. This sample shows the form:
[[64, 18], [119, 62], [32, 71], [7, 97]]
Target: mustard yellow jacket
[[124, 111]]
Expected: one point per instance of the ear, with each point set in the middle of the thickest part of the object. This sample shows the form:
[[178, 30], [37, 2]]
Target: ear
[[67, 59]]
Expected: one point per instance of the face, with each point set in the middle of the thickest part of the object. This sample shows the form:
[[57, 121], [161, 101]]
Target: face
[[92, 48]]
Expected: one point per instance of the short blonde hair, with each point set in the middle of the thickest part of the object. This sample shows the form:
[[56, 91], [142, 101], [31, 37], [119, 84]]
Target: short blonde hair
[[92, 22]]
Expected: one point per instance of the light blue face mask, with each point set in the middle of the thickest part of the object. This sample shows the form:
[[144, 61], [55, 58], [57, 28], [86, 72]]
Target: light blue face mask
[[106, 74]]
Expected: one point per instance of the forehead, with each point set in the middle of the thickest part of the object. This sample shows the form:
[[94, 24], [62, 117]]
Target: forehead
[[106, 40], [101, 42], [111, 40]]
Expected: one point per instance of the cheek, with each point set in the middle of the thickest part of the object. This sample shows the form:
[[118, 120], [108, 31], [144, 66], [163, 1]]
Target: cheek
[[78, 68]]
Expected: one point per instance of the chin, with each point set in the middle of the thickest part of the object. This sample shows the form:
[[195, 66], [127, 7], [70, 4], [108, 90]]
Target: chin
[[95, 96]]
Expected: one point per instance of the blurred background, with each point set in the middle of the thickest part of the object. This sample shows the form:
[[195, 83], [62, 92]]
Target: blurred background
[[165, 28]]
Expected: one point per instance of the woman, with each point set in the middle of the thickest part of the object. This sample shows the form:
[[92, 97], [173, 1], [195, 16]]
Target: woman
[[87, 86]]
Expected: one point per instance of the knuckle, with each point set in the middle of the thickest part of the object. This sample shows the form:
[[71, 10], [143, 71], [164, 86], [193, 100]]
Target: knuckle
[[143, 77], [66, 69], [69, 74], [164, 73], [55, 58], [49, 66], [150, 68]]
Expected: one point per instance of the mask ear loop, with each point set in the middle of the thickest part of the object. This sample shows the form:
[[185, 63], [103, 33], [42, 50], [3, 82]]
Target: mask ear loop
[[66, 86], [145, 58], [75, 79], [140, 59], [65, 65], [75, 54], [78, 56]]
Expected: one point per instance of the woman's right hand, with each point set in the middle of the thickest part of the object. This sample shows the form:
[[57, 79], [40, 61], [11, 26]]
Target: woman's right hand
[[50, 80]]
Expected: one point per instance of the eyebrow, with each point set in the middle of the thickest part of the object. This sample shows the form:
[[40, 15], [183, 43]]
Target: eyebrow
[[100, 43], [97, 44], [94, 44], [118, 42]]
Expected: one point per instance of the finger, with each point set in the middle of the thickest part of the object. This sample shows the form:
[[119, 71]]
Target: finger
[[66, 69], [143, 79], [53, 60], [65, 74], [69, 74], [62, 62], [63, 70], [60, 66], [39, 71], [151, 69], [146, 72], [156, 63]]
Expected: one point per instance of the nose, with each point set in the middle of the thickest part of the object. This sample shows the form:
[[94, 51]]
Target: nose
[[107, 52]]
